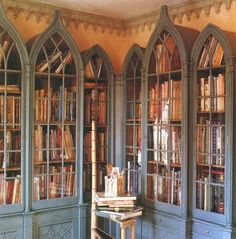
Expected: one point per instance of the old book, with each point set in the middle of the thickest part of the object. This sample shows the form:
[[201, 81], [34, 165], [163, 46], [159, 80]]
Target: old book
[[218, 55], [11, 89], [45, 63], [89, 70], [3, 50], [100, 197], [67, 59]]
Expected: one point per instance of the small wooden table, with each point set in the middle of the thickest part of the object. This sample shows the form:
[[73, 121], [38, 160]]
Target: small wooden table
[[124, 224]]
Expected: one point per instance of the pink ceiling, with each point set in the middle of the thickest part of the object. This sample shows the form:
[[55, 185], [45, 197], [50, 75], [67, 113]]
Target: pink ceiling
[[121, 9]]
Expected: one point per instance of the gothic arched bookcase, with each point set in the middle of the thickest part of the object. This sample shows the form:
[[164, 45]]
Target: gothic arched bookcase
[[132, 83], [212, 117], [98, 81], [165, 133], [56, 118], [13, 88]]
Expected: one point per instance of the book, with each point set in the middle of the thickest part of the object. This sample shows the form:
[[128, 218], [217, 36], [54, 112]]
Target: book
[[100, 197], [67, 59], [3, 50], [89, 70], [218, 55], [11, 89], [117, 203], [51, 58]]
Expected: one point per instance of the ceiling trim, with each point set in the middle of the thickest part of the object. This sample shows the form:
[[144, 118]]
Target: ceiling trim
[[44, 12]]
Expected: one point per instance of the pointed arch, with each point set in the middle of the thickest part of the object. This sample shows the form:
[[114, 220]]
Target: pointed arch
[[56, 26], [165, 24], [221, 36], [4, 22], [97, 49], [134, 49]]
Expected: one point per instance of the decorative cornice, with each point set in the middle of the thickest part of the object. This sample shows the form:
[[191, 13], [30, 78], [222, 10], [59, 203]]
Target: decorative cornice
[[43, 12], [177, 13]]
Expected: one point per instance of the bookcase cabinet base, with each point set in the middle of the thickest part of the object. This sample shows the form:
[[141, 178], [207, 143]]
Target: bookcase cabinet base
[[59, 223], [205, 230], [160, 225]]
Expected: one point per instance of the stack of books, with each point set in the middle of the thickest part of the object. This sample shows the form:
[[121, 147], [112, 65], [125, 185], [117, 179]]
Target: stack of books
[[117, 208]]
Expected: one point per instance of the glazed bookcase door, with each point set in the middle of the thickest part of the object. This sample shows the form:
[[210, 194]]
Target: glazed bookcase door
[[209, 129], [164, 122], [96, 104], [133, 124], [55, 121], [11, 128]]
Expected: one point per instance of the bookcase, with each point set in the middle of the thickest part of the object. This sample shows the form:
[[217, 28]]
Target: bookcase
[[133, 114], [212, 131], [55, 117], [165, 125], [12, 58], [97, 106]]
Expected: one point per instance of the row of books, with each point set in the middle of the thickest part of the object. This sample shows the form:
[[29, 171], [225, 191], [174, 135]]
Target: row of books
[[62, 105], [41, 144], [56, 62], [212, 90], [87, 175], [212, 53], [133, 111], [165, 187], [97, 108], [10, 190], [211, 143], [133, 177], [12, 156], [131, 129], [133, 90], [161, 102], [13, 110], [101, 147], [41, 169], [55, 183], [165, 142], [210, 197]]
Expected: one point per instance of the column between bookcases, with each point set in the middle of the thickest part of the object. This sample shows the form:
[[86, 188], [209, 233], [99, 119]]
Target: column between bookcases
[[28, 114]]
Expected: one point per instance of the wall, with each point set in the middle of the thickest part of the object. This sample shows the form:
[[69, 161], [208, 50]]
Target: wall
[[117, 44]]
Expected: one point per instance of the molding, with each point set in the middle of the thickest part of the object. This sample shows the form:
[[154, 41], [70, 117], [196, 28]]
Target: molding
[[43, 12]]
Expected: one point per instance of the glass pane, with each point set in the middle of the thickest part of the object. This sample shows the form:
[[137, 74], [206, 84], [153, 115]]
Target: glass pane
[[130, 90], [138, 136], [55, 182], [130, 70], [129, 135], [152, 187], [138, 89], [40, 187], [101, 143], [176, 109], [176, 145], [129, 111], [102, 106], [176, 60]]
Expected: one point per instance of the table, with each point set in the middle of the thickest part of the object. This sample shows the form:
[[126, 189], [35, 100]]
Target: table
[[123, 224]]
